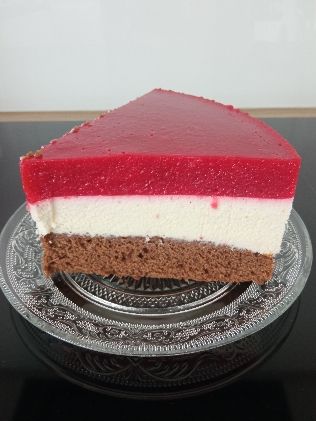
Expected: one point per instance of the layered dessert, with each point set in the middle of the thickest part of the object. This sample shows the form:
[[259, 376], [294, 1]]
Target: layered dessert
[[169, 186]]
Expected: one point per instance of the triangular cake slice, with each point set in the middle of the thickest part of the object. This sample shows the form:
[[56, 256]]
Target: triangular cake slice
[[169, 186]]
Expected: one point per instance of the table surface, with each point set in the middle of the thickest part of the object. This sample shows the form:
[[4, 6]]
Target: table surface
[[282, 388]]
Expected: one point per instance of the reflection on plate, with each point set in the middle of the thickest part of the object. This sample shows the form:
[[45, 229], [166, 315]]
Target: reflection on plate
[[148, 317], [156, 377]]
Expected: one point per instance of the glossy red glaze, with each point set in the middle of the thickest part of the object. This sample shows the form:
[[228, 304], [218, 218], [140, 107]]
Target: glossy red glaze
[[165, 143]]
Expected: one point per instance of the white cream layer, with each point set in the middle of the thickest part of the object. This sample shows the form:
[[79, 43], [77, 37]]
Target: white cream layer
[[245, 223]]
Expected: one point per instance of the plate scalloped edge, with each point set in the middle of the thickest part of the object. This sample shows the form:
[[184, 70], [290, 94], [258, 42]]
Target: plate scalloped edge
[[40, 301]]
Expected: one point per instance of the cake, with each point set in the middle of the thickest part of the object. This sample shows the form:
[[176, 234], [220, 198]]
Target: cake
[[167, 186]]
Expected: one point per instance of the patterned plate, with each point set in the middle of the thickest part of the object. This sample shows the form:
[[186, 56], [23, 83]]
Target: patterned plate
[[168, 377], [149, 317]]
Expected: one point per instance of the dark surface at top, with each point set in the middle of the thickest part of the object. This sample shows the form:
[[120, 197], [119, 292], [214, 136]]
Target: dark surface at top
[[282, 388]]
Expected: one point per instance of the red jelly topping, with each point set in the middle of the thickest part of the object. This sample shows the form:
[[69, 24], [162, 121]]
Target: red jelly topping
[[165, 143]]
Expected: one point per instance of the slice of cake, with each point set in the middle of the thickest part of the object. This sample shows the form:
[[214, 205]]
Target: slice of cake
[[168, 186]]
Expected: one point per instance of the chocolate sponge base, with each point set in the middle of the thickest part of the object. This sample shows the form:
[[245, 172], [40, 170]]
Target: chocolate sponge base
[[155, 257]]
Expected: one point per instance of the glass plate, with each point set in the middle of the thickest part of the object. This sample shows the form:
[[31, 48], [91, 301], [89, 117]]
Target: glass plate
[[168, 377], [149, 317]]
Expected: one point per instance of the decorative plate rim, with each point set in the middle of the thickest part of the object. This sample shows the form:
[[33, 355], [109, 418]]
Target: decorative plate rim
[[89, 377], [129, 331]]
